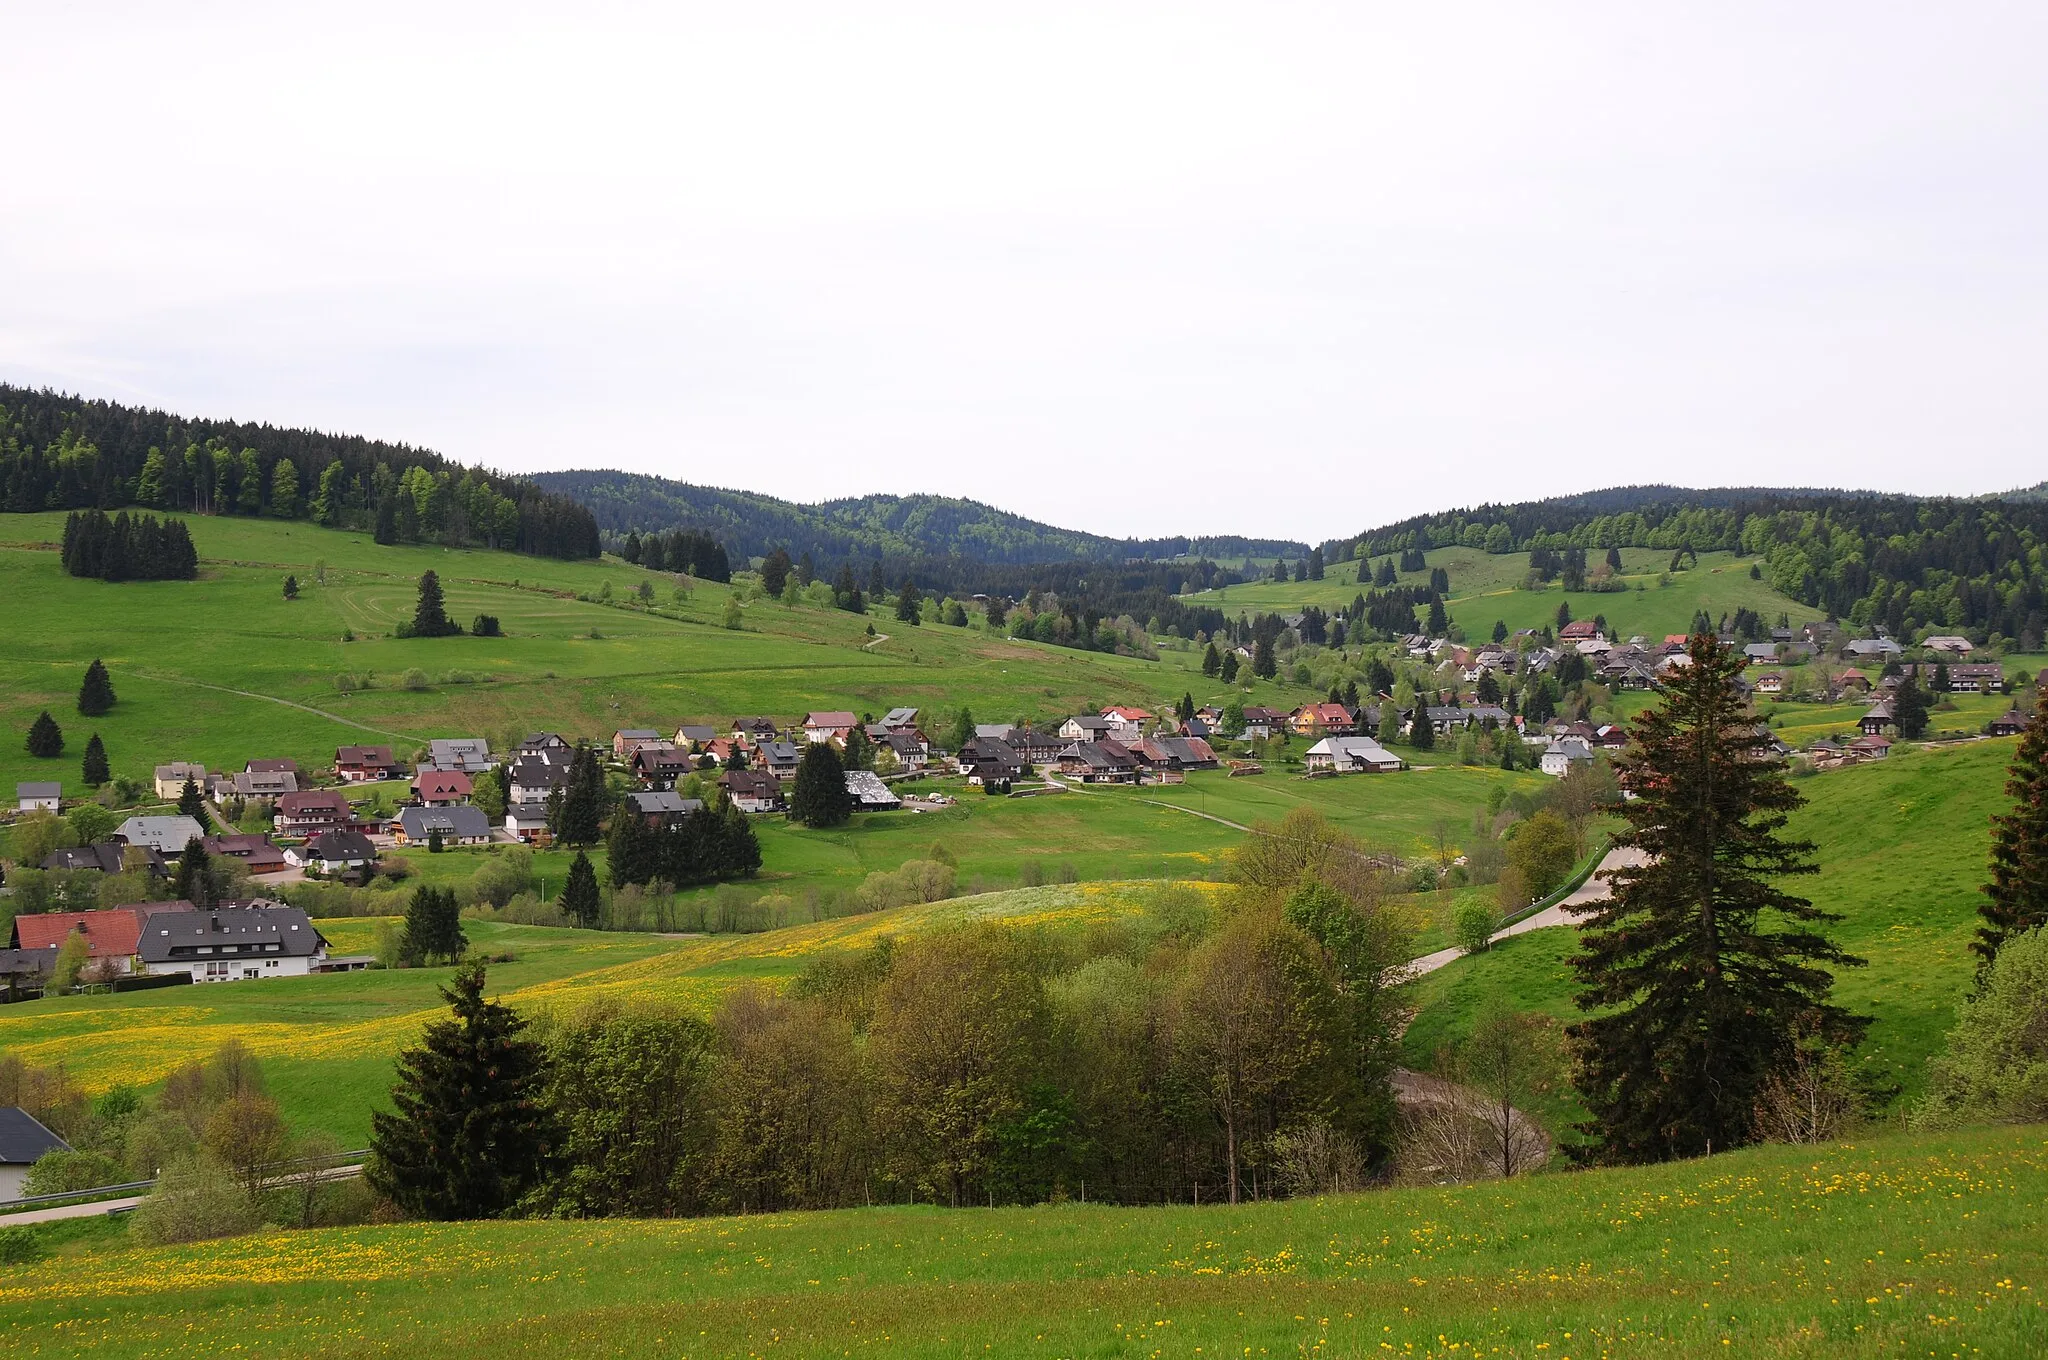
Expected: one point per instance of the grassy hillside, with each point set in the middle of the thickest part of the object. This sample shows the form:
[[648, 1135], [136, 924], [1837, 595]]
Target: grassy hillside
[[1901, 847], [1900, 1246], [327, 1042], [224, 668], [1485, 587]]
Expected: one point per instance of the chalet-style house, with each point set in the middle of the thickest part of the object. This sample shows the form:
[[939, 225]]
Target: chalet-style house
[[231, 944], [273, 765], [658, 765], [1873, 649], [38, 796], [990, 761], [1446, 719], [364, 764], [1966, 677], [900, 719], [754, 731], [1578, 630], [1878, 719], [458, 824], [339, 851], [832, 727], [1853, 681], [312, 812], [1771, 682], [1350, 755], [1037, 749], [1563, 754], [2008, 724], [168, 836], [1321, 720], [254, 850], [627, 740], [1168, 755], [693, 736], [110, 934], [545, 744], [1261, 724], [661, 807], [110, 857], [1949, 644], [909, 747], [441, 788], [780, 758], [1099, 762], [1126, 724], [172, 778], [269, 785], [754, 791], [527, 822], [469, 755], [536, 774]]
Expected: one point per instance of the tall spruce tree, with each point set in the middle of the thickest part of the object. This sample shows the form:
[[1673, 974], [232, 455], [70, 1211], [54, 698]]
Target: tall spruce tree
[[1421, 731], [581, 901], [632, 849], [433, 927], [585, 800], [1212, 661], [192, 803], [430, 615], [1909, 709], [1263, 664], [45, 738], [194, 881], [1707, 972], [818, 796], [471, 1133], [96, 694], [2018, 890], [96, 771]]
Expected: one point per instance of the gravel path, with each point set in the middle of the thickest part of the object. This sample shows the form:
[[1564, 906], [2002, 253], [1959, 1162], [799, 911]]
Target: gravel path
[[1594, 889]]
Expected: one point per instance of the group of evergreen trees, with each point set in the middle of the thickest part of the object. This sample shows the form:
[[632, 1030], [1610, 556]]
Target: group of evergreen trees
[[127, 547], [689, 551], [705, 845], [59, 452]]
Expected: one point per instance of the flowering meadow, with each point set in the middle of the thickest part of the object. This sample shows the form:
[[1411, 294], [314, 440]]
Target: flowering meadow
[[1899, 1246]]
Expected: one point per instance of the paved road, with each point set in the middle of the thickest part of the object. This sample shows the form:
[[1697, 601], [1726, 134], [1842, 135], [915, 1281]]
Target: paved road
[[1594, 889], [127, 1202]]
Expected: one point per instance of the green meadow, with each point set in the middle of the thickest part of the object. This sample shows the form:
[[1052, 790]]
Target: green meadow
[[1893, 1246], [1486, 588], [225, 668], [1902, 846]]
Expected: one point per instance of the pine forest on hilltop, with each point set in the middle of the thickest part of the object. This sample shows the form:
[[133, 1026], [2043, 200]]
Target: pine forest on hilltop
[[60, 452]]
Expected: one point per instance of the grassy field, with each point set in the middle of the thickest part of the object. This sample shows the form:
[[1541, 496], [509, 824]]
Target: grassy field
[[327, 1041], [1897, 1246], [224, 668], [1902, 849], [1485, 588]]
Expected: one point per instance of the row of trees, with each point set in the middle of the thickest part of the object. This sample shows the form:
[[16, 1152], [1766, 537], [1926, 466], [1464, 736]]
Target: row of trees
[[127, 547], [705, 845], [689, 551]]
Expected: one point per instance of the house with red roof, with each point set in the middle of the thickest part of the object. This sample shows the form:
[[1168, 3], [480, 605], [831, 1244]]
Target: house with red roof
[[441, 788], [110, 934]]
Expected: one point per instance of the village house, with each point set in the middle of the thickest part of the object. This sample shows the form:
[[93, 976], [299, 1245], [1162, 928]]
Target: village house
[[1949, 643], [1349, 755], [38, 796], [2008, 724], [1563, 754], [1853, 681], [311, 812], [900, 719], [168, 836], [231, 944], [526, 822], [1578, 630], [754, 791], [659, 765], [1771, 682], [754, 731], [1878, 719], [255, 850], [23, 1140], [627, 740], [1446, 719], [441, 788], [537, 774], [869, 793], [110, 934], [1263, 724], [1970, 677], [545, 745], [780, 758], [24, 973], [1126, 724], [110, 857], [833, 727], [1084, 727], [692, 736], [661, 807], [1875, 649], [1099, 762], [989, 760], [908, 746], [364, 764], [172, 778], [265, 784], [1175, 755], [273, 765], [1321, 719], [1871, 747], [458, 824], [339, 851], [1035, 748], [469, 755]]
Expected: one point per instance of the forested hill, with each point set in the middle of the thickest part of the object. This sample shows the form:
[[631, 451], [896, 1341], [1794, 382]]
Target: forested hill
[[1912, 564], [60, 452], [892, 527]]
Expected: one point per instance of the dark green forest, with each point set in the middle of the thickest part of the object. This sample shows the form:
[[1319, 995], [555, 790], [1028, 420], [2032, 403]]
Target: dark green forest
[[61, 452], [1978, 567], [894, 528]]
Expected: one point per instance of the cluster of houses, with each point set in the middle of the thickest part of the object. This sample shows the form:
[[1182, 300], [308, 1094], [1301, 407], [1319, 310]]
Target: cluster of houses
[[237, 941]]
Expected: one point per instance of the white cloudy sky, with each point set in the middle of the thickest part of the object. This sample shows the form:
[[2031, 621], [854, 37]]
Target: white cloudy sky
[[1267, 268]]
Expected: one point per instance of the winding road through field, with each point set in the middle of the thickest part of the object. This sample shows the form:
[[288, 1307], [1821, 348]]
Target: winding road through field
[[1594, 889]]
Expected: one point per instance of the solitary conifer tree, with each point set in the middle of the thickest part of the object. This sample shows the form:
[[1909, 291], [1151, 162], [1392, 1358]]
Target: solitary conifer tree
[[1212, 661], [45, 738], [2018, 890], [470, 1135], [291, 587], [96, 772], [818, 796], [1263, 665], [96, 694], [581, 901], [1707, 972], [430, 615]]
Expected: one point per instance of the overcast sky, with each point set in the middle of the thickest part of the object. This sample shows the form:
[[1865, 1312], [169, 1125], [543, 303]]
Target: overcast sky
[[1258, 268]]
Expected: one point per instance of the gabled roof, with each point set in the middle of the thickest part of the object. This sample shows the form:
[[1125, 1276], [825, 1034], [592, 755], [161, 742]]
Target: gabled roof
[[39, 789], [780, 752], [1126, 713], [23, 1137], [279, 765], [110, 933], [340, 846], [363, 755], [664, 802], [900, 717], [168, 834], [106, 856], [869, 791], [697, 732], [440, 784], [832, 719], [180, 934], [461, 821], [751, 783]]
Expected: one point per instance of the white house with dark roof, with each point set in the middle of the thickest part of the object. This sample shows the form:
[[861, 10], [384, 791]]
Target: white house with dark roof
[[1563, 753], [459, 824], [469, 755], [231, 944], [22, 1140], [38, 796], [1350, 755]]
